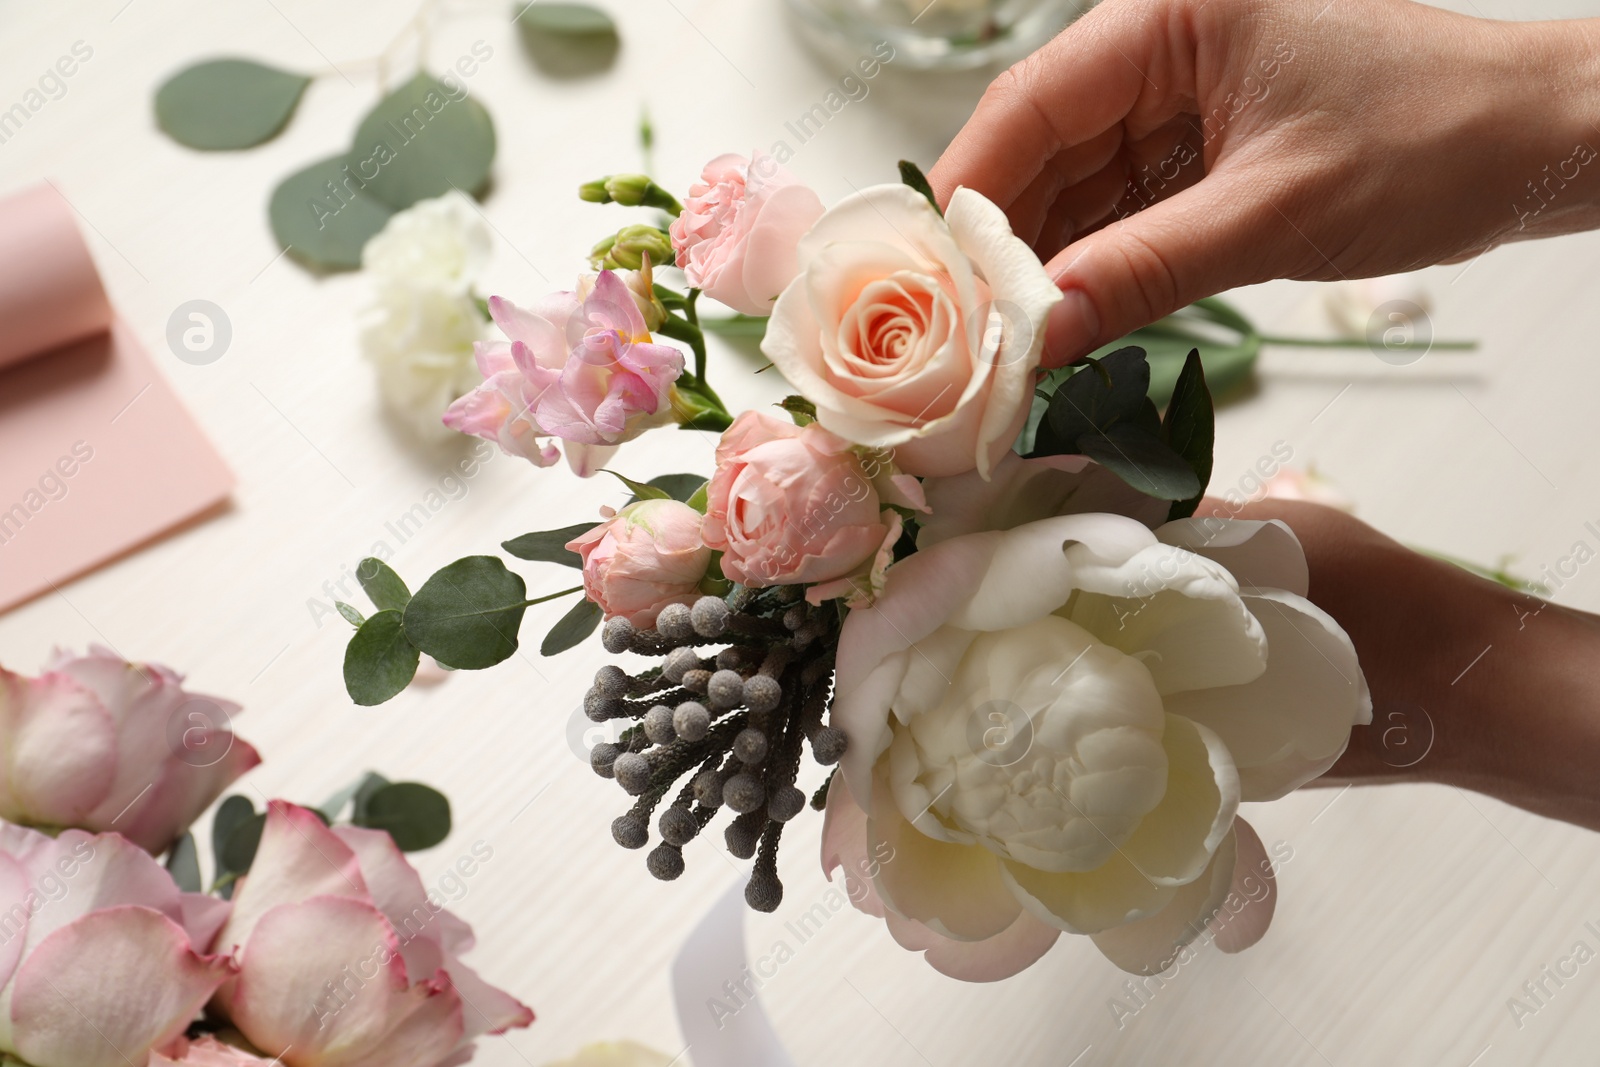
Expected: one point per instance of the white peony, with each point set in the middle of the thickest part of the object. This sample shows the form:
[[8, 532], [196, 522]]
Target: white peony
[[425, 321], [1052, 727]]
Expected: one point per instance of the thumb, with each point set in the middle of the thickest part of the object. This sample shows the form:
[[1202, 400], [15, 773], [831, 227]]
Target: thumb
[[1207, 239]]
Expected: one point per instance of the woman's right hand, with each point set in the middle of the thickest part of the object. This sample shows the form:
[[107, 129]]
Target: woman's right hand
[[1159, 151]]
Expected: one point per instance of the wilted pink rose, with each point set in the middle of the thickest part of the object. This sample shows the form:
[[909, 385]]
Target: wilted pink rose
[[584, 370], [793, 505], [98, 959], [103, 744], [740, 229], [646, 556], [345, 958]]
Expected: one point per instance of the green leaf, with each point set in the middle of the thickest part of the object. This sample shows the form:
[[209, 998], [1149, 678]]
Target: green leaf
[[564, 19], [370, 783], [1108, 391], [802, 410], [641, 490], [574, 626], [334, 806], [183, 863], [421, 141], [382, 584], [238, 850], [698, 406], [549, 546], [736, 325], [322, 216], [700, 500], [1189, 429], [1229, 345], [1142, 461], [351, 615], [678, 486], [912, 175], [415, 815], [228, 103], [230, 814], [467, 615], [379, 661]]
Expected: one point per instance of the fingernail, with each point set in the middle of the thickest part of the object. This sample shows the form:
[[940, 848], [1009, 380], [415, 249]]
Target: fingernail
[[1071, 329]]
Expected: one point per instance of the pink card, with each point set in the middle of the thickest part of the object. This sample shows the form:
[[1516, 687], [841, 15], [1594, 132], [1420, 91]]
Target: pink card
[[97, 454]]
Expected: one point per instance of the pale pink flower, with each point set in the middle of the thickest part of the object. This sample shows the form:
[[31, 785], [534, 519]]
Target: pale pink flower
[[100, 744], [344, 956], [208, 1052], [646, 556], [738, 235], [98, 957], [584, 370], [792, 505]]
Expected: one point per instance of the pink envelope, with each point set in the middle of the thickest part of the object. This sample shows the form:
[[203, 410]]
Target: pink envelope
[[97, 455]]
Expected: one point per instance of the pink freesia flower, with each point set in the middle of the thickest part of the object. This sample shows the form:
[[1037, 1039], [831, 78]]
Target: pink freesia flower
[[580, 367], [97, 950], [101, 744], [646, 556], [739, 234], [791, 505], [346, 959]]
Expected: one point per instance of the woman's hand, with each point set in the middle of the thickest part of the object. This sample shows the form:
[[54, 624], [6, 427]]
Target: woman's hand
[[1159, 151], [1473, 684]]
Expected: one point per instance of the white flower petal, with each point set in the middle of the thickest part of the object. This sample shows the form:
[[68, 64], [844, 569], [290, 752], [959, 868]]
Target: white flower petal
[[1175, 842], [1291, 724], [1154, 943], [1258, 554], [1087, 902]]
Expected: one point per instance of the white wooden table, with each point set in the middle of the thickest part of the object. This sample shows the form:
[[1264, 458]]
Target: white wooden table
[[1408, 915]]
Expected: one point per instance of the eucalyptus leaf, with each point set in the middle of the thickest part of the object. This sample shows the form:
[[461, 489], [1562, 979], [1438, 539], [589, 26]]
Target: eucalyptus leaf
[[323, 217], [467, 615], [566, 40], [379, 661], [382, 584], [350, 614], [370, 783], [230, 814], [416, 816], [574, 626], [1143, 461], [238, 850], [422, 140], [183, 863], [1189, 429], [549, 546], [563, 19], [225, 104]]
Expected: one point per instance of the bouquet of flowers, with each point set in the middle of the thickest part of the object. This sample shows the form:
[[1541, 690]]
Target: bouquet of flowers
[[976, 588]]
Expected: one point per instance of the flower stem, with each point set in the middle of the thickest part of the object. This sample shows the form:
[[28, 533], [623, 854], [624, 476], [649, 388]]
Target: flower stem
[[552, 596], [698, 341], [1362, 342]]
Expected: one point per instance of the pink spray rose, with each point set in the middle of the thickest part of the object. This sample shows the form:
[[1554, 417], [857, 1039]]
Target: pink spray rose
[[797, 504], [739, 231], [345, 960], [580, 366], [98, 959], [646, 556], [100, 743]]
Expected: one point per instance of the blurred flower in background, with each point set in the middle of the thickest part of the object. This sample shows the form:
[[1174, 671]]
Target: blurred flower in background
[[426, 319], [1355, 306], [620, 1054], [99, 743]]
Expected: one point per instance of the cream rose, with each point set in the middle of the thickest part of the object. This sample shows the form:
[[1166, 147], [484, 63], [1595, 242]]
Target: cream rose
[[914, 332], [1052, 727]]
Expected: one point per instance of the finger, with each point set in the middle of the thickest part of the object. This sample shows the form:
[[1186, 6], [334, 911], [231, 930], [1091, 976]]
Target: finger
[[1106, 67], [1207, 239], [1079, 209]]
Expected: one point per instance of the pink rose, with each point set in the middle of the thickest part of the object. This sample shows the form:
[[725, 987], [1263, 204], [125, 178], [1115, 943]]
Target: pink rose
[[741, 224], [207, 1052], [102, 744], [793, 505], [646, 556], [579, 366], [344, 956], [98, 964], [915, 332]]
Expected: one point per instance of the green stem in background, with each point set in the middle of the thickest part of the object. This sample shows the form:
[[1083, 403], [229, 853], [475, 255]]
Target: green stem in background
[[699, 341], [552, 596], [1363, 342], [1494, 574]]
